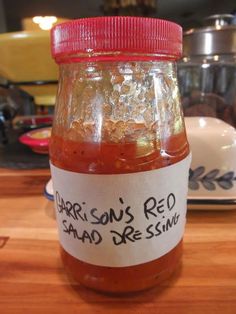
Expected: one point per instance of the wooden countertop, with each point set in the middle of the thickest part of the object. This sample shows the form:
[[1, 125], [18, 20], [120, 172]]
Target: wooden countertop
[[32, 279]]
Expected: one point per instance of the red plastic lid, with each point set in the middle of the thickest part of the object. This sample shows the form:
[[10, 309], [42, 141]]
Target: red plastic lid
[[116, 33]]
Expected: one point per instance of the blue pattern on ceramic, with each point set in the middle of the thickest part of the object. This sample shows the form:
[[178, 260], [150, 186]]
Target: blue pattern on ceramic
[[211, 179]]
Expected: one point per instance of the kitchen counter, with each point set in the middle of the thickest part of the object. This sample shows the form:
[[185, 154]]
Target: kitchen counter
[[32, 279]]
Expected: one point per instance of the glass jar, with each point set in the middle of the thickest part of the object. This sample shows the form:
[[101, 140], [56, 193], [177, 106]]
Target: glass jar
[[119, 153]]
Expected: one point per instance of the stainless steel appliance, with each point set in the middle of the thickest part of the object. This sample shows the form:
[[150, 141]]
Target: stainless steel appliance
[[207, 72]]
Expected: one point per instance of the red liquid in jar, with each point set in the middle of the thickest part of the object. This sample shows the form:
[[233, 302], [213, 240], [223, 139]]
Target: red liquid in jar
[[118, 158]]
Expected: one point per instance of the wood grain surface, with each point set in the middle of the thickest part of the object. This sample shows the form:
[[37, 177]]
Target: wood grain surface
[[32, 279]]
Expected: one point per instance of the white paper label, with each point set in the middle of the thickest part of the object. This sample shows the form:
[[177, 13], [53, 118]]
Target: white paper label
[[121, 219]]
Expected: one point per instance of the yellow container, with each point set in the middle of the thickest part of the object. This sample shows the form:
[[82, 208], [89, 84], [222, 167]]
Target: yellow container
[[26, 57]]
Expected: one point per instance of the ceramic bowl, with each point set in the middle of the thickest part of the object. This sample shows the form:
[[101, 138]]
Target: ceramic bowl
[[213, 169]]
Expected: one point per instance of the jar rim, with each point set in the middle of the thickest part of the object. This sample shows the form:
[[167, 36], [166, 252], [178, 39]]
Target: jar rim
[[114, 56]]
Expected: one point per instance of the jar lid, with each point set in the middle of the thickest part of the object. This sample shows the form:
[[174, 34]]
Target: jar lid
[[116, 33]]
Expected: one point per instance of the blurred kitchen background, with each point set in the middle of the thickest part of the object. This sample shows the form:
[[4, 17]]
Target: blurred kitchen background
[[28, 75], [189, 13]]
